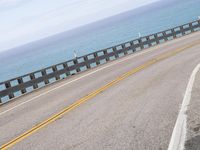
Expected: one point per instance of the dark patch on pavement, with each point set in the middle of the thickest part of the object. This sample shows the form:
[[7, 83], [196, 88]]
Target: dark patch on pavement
[[196, 129], [193, 143]]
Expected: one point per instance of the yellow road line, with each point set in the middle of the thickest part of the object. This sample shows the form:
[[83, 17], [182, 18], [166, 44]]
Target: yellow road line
[[93, 94]]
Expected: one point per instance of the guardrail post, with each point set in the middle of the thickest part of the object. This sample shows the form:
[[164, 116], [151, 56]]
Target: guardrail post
[[105, 52], [96, 59], [75, 63], [165, 36], [20, 81], [141, 43], [182, 30], [132, 46], [55, 70], [8, 85], [32, 76], [124, 49], [86, 62], [198, 25], [191, 27], [156, 38], [46, 81], [173, 33], [148, 41], [115, 51], [67, 69]]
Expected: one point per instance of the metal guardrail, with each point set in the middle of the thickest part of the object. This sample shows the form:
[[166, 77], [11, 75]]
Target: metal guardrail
[[18, 86]]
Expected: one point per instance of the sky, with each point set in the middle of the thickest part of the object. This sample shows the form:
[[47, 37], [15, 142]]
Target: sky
[[23, 21]]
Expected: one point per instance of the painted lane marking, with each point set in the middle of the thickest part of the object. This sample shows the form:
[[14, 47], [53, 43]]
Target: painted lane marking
[[93, 94], [178, 137]]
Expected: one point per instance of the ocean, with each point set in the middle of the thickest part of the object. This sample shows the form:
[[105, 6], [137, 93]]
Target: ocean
[[96, 36]]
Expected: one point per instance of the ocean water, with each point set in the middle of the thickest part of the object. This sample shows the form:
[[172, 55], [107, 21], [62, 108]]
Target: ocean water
[[99, 35]]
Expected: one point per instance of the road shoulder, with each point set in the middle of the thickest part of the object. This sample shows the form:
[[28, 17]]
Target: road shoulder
[[193, 118]]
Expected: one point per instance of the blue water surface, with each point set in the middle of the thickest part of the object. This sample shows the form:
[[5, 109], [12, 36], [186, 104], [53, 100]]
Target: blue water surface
[[111, 31]]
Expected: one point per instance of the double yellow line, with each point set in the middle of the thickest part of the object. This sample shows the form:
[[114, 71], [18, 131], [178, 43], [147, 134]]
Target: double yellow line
[[93, 94]]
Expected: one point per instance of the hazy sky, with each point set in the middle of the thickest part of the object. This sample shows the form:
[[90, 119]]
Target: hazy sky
[[22, 21]]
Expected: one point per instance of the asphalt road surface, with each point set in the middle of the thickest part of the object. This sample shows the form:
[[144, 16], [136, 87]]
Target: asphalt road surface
[[128, 104]]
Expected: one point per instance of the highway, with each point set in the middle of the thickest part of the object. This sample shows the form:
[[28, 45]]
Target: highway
[[128, 104]]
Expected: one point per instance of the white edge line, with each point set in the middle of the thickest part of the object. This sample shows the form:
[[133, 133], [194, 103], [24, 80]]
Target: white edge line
[[178, 137], [23, 103]]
